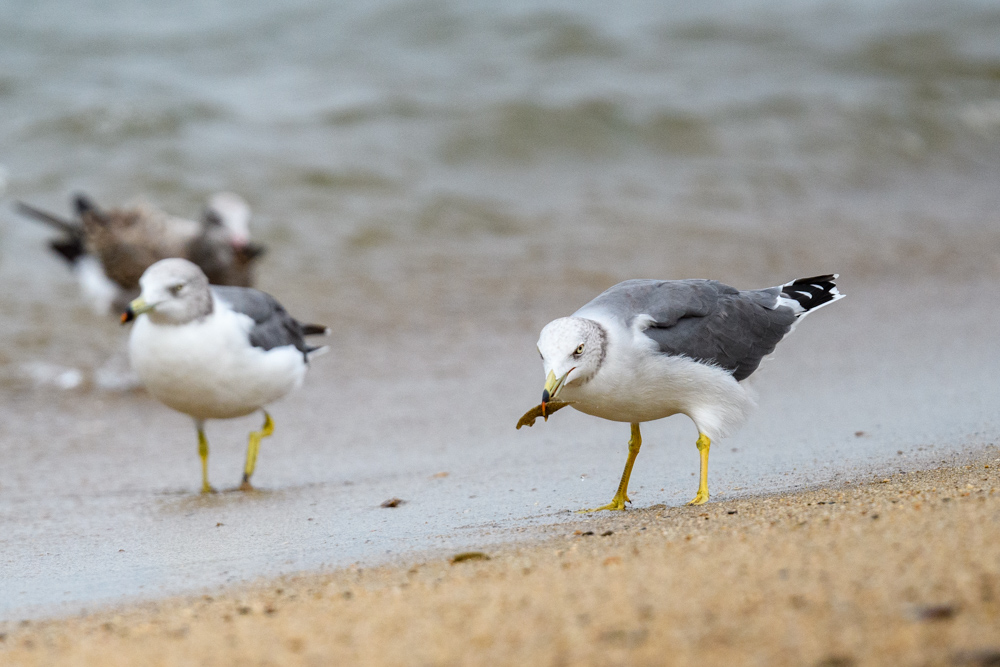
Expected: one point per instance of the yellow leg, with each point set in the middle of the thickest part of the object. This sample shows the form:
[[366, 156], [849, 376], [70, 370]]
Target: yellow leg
[[203, 453], [621, 496], [253, 447], [702, 496]]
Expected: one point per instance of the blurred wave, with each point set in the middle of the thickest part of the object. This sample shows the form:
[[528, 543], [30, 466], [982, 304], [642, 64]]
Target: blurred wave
[[390, 141], [119, 124], [591, 129]]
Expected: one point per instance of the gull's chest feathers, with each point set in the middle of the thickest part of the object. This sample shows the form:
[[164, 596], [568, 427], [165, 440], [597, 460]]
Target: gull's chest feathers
[[208, 369], [638, 383]]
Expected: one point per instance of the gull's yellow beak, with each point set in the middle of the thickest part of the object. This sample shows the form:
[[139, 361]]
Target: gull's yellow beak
[[135, 309], [552, 387]]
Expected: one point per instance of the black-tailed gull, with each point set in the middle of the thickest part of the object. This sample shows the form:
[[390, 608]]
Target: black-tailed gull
[[109, 249], [649, 349], [215, 352]]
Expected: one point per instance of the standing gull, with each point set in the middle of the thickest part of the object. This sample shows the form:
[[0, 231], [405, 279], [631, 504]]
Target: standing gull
[[649, 349], [215, 352]]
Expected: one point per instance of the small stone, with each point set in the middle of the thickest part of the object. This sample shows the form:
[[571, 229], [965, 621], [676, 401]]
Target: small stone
[[468, 555], [393, 502], [939, 612]]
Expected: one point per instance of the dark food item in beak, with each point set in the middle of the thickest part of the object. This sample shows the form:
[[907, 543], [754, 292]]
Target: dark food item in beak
[[128, 315], [534, 413]]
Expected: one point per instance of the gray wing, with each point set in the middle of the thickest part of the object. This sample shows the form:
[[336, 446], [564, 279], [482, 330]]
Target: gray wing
[[704, 319], [273, 326]]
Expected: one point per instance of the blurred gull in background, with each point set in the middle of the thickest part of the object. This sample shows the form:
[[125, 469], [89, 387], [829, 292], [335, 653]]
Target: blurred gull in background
[[109, 249]]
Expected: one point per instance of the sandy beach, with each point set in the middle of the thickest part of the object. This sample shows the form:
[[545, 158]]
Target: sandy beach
[[903, 570]]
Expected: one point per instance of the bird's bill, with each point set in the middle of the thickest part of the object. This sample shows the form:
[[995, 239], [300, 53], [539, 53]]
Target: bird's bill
[[552, 387], [135, 309]]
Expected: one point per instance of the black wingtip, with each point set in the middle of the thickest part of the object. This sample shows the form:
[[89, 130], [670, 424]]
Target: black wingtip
[[827, 278], [315, 330], [70, 250], [811, 293]]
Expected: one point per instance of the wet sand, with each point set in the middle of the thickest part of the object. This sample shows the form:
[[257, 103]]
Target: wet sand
[[100, 488], [900, 570]]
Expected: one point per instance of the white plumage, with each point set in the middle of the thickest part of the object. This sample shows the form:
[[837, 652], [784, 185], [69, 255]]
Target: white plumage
[[208, 369], [214, 352], [647, 349], [637, 383]]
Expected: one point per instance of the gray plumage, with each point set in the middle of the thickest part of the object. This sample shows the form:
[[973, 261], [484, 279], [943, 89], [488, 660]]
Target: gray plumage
[[273, 326], [704, 320], [649, 349]]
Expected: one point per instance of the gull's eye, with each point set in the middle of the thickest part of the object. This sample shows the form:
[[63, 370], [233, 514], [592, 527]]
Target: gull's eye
[[176, 289], [579, 350]]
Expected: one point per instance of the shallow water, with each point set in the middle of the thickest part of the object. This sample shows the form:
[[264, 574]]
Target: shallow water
[[437, 184]]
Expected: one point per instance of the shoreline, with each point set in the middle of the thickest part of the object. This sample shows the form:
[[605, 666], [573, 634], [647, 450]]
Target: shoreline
[[902, 570]]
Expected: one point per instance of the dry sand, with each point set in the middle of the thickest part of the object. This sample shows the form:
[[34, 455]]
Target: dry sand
[[902, 571]]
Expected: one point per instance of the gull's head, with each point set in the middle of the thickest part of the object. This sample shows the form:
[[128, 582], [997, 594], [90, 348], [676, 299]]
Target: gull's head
[[174, 291], [572, 350], [231, 212]]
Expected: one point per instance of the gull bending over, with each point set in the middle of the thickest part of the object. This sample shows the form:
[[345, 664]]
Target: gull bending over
[[649, 349]]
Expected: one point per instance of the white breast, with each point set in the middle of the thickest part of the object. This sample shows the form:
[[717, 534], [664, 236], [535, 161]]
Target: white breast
[[636, 383], [208, 369]]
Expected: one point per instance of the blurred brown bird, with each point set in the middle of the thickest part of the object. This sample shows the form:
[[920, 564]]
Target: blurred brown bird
[[110, 249]]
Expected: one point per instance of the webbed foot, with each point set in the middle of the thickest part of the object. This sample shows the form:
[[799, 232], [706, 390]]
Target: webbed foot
[[617, 503], [700, 498]]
